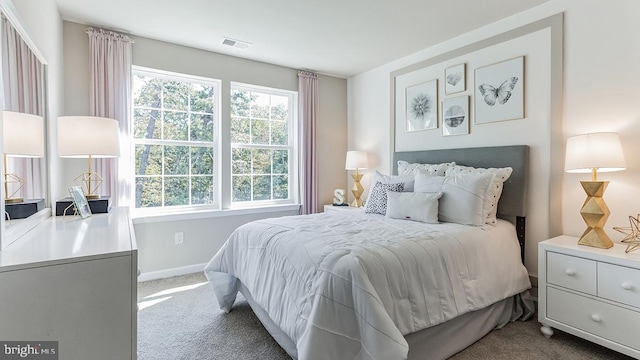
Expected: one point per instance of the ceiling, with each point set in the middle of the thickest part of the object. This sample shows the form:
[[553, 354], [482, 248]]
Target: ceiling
[[336, 37]]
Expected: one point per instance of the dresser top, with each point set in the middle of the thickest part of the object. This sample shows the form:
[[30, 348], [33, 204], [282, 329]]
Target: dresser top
[[61, 239], [569, 245]]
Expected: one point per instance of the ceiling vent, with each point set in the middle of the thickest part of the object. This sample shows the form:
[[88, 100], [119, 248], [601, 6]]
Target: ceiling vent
[[235, 43]]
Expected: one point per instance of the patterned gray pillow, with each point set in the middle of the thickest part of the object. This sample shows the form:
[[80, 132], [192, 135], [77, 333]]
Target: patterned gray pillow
[[377, 201]]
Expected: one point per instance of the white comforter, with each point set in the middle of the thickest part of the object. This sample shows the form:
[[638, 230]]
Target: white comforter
[[349, 286]]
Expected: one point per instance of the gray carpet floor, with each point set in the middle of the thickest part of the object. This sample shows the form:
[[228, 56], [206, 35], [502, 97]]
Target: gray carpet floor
[[179, 319]]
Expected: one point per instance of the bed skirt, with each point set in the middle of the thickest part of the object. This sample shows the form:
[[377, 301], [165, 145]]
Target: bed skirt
[[437, 342]]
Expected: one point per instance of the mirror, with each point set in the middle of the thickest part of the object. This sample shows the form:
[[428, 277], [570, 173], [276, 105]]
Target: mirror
[[25, 199]]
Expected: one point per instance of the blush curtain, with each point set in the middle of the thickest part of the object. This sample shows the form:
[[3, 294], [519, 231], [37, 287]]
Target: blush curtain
[[110, 96], [23, 92], [308, 114]]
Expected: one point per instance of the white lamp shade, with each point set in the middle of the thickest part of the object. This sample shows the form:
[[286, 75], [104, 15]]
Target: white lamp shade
[[602, 151], [81, 136], [22, 134], [356, 160]]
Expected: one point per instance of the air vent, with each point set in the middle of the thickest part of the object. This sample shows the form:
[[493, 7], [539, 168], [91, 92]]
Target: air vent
[[235, 43]]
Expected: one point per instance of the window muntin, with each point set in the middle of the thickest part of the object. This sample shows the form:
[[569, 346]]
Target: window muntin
[[175, 139], [262, 145]]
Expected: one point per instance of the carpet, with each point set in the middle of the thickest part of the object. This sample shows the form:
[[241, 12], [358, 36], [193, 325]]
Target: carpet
[[179, 319]]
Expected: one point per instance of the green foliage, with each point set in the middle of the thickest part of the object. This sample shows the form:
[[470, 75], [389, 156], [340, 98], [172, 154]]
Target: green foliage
[[183, 112], [174, 111], [259, 119]]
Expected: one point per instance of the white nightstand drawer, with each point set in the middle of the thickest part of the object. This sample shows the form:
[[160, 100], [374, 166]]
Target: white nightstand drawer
[[598, 318], [328, 208], [619, 283], [571, 272]]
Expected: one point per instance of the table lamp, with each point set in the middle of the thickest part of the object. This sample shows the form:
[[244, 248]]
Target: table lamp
[[88, 137], [357, 160], [23, 136], [593, 153]]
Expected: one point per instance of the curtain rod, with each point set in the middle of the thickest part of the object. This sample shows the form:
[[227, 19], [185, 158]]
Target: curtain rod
[[130, 39], [301, 72]]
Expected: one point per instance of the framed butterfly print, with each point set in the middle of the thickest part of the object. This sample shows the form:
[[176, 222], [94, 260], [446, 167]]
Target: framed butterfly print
[[499, 91], [455, 116], [454, 79]]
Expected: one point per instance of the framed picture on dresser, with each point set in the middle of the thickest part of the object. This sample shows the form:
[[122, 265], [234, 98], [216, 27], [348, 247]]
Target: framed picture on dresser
[[80, 202]]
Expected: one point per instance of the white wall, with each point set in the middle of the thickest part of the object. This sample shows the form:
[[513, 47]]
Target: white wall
[[601, 80], [203, 237]]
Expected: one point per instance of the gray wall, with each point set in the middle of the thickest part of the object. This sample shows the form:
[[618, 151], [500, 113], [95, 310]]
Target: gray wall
[[203, 237]]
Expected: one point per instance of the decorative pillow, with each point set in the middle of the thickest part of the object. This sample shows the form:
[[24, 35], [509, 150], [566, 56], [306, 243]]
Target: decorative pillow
[[425, 183], [377, 200], [407, 169], [391, 179], [493, 192], [414, 206], [463, 198]]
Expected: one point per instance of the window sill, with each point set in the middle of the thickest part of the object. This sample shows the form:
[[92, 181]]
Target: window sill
[[162, 216]]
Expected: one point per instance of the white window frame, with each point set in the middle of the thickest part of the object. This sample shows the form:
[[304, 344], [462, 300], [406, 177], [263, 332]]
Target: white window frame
[[215, 144], [293, 147]]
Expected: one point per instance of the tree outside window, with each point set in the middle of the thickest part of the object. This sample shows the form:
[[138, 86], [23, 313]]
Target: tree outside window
[[261, 144], [174, 120]]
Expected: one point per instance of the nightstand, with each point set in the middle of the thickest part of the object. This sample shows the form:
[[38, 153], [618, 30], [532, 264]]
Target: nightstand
[[591, 293], [328, 208]]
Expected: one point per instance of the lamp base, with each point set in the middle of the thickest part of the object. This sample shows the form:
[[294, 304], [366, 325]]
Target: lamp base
[[97, 206], [89, 182], [596, 237], [23, 209], [595, 213], [357, 189]]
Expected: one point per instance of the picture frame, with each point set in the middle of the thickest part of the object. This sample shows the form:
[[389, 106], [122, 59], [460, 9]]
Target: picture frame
[[421, 104], [499, 91], [455, 79], [455, 116], [80, 202]]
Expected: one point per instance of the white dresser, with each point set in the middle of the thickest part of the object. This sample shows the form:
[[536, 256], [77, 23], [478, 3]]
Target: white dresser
[[591, 293], [73, 281]]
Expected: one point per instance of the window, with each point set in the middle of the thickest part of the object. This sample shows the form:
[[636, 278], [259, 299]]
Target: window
[[175, 139], [263, 145]]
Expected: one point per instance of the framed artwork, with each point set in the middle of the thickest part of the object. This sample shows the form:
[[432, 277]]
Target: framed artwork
[[422, 106], [499, 91], [80, 202], [455, 116], [455, 79]]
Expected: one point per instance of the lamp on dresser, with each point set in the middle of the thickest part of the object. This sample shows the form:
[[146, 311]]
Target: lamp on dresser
[[593, 153], [88, 137], [23, 136], [357, 160]]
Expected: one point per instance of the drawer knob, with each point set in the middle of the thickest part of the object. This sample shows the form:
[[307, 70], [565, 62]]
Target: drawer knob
[[596, 318], [627, 286], [570, 272]]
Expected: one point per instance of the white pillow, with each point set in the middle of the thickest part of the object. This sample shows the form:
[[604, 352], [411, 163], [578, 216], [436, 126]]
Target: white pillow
[[463, 198], [391, 179], [493, 192], [377, 200], [407, 169], [427, 183], [414, 206]]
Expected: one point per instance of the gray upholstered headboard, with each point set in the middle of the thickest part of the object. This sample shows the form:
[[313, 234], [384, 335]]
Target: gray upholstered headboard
[[514, 195], [512, 204]]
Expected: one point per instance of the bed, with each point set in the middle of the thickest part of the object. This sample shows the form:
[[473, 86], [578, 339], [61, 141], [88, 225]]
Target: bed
[[366, 286]]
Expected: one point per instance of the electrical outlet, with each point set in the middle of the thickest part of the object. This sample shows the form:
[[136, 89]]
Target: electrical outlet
[[179, 238]]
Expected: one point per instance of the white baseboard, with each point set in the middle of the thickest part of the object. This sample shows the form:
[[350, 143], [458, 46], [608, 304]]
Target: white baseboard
[[161, 274]]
